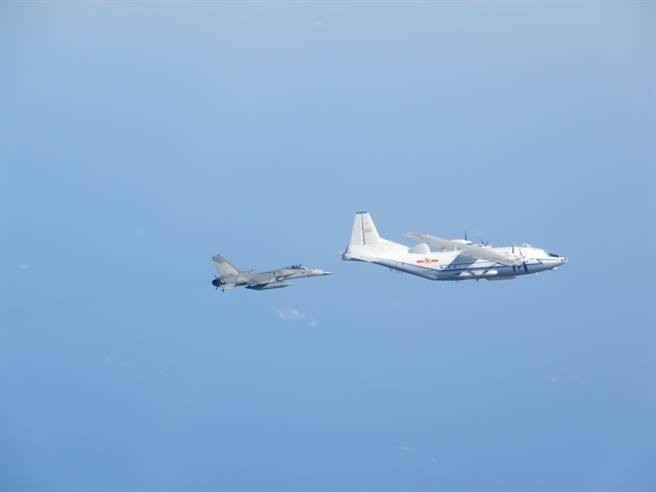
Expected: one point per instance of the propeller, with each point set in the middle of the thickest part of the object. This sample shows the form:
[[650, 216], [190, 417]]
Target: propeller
[[523, 255]]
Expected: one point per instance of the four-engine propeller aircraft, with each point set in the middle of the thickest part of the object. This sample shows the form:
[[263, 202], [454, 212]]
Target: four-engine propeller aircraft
[[230, 276], [459, 259]]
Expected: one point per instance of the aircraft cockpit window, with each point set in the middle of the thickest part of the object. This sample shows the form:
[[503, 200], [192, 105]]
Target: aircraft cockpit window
[[297, 267], [553, 255]]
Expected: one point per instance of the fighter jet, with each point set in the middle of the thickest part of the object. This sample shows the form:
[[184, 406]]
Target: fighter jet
[[457, 259], [230, 276]]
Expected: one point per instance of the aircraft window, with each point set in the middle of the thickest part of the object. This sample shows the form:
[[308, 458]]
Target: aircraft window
[[553, 255]]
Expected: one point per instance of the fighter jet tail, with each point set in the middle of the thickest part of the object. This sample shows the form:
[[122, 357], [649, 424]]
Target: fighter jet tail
[[223, 266]]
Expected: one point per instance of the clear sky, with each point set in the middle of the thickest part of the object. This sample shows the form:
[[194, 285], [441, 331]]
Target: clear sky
[[137, 140]]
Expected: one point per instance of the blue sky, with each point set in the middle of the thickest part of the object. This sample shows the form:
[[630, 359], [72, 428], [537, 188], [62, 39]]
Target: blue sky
[[140, 139]]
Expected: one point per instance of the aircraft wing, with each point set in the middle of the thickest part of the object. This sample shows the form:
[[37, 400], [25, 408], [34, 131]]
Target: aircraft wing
[[438, 242], [466, 248], [275, 284], [483, 253]]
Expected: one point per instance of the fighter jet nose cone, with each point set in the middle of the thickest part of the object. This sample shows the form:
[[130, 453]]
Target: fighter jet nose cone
[[215, 282]]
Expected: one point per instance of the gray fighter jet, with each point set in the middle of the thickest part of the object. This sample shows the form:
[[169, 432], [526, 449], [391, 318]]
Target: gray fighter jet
[[230, 276]]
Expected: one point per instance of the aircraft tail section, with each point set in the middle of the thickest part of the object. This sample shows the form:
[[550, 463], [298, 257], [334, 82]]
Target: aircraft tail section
[[223, 266], [366, 244], [364, 230]]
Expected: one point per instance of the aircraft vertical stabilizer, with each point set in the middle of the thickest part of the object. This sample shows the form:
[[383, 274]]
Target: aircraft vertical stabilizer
[[223, 266], [364, 231], [366, 243]]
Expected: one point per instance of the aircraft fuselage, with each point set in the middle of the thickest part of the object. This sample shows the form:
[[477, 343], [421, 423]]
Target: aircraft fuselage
[[453, 259], [453, 266]]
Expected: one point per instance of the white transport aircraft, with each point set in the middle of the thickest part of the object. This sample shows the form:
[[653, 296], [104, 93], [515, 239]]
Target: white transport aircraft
[[457, 259]]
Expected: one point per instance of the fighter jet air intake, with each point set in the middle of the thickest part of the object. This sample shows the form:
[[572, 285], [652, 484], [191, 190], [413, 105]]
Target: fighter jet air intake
[[457, 259]]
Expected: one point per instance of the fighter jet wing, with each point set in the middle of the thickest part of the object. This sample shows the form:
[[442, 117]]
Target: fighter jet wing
[[261, 283], [275, 284]]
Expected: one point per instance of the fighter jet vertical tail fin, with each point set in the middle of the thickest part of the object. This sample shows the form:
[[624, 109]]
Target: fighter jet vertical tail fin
[[364, 231], [223, 266]]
